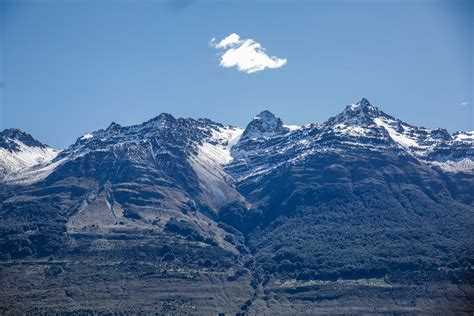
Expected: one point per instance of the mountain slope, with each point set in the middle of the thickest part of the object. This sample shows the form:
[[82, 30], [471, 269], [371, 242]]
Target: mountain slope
[[143, 177], [363, 196], [361, 210], [361, 174]]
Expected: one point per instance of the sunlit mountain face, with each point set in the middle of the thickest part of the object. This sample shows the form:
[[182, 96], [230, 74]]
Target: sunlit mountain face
[[361, 213]]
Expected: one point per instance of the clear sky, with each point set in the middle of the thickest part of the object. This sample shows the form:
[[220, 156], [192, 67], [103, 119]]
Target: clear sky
[[69, 67]]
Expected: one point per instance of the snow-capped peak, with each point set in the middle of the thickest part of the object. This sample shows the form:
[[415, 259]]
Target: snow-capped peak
[[161, 121], [265, 124], [365, 103], [20, 151], [361, 113], [363, 119], [12, 137], [365, 108], [213, 146], [267, 117]]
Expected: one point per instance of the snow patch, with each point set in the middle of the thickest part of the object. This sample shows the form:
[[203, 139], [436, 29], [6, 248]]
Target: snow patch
[[214, 154], [209, 164], [353, 130], [33, 174], [292, 127], [25, 157], [87, 136], [397, 137], [214, 181], [227, 136], [464, 136], [464, 165]]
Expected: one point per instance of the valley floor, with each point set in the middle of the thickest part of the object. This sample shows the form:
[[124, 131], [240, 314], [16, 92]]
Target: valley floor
[[39, 286]]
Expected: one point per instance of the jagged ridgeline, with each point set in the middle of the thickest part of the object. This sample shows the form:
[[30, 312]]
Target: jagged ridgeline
[[361, 213]]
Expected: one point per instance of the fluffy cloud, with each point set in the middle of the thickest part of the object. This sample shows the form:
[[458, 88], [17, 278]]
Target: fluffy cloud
[[245, 54]]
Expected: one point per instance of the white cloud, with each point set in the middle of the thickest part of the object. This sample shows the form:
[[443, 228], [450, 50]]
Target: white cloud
[[245, 54], [232, 39]]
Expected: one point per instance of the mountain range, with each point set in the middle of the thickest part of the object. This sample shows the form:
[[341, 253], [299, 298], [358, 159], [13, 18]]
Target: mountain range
[[361, 213]]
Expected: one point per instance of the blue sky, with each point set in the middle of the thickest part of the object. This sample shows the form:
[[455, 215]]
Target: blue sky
[[69, 67]]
